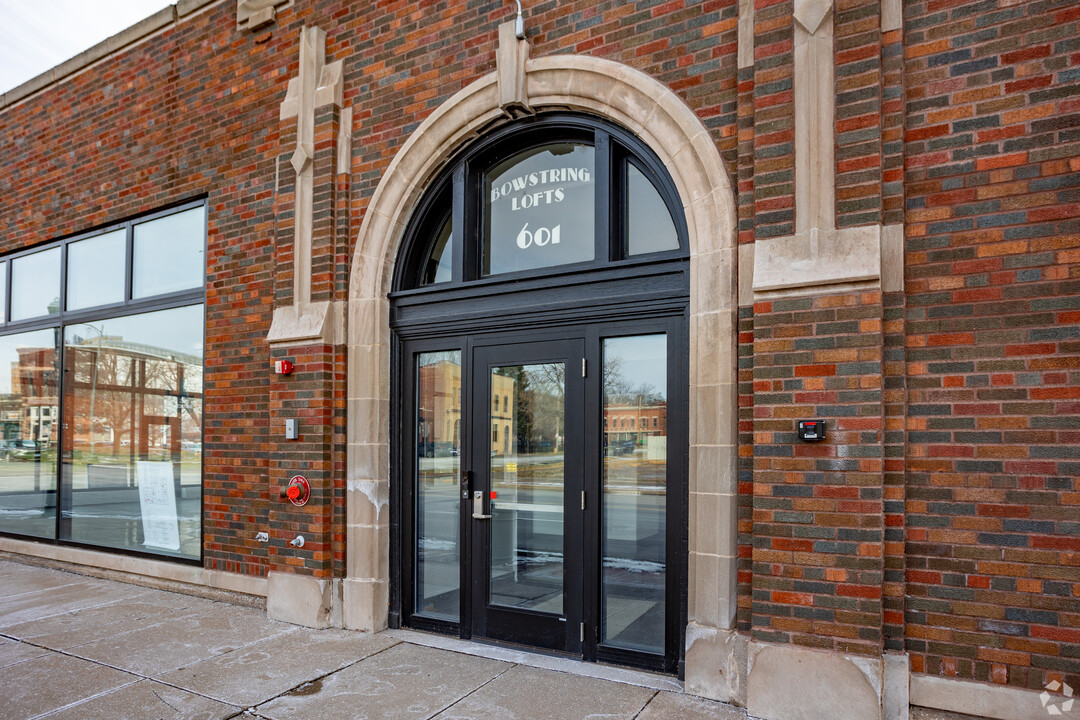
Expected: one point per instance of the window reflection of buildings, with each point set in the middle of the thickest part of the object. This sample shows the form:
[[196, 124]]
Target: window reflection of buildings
[[126, 385], [633, 423], [438, 430], [34, 404]]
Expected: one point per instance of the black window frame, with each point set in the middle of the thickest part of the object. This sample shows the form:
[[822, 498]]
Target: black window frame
[[458, 192], [129, 306]]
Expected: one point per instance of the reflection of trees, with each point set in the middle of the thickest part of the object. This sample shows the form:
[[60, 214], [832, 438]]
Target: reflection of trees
[[539, 399], [129, 387], [620, 390]]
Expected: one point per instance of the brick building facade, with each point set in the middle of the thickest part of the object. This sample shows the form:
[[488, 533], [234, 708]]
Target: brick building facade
[[882, 225]]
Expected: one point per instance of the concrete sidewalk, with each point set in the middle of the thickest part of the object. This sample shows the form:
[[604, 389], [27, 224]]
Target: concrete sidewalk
[[73, 646]]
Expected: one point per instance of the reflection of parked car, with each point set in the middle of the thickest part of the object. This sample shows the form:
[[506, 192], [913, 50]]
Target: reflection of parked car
[[23, 450], [425, 449]]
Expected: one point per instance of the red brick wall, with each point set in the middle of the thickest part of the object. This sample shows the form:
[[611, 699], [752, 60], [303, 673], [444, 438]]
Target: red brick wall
[[993, 339], [194, 112], [817, 507]]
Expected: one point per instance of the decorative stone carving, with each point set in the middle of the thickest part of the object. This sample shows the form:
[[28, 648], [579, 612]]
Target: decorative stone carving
[[317, 84], [510, 59], [815, 102], [252, 15], [811, 13]]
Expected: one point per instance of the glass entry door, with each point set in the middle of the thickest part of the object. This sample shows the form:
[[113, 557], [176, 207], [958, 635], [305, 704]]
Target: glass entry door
[[541, 506], [525, 495]]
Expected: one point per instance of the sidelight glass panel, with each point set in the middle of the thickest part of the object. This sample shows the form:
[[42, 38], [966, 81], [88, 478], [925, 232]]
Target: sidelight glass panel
[[635, 492], [35, 285], [29, 404], [95, 271], [438, 520], [132, 472], [540, 209], [649, 227], [527, 481], [169, 254]]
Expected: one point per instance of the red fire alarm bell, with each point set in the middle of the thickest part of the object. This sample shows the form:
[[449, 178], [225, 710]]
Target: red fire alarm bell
[[283, 367]]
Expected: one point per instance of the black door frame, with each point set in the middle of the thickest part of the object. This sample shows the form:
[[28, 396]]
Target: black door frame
[[674, 323], [542, 630]]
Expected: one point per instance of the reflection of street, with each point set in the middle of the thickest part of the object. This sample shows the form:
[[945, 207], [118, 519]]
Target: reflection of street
[[634, 505]]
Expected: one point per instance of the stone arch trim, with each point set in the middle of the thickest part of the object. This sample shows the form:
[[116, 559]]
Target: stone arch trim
[[666, 124]]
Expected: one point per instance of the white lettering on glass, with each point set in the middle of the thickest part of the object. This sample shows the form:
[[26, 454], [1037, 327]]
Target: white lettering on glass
[[540, 238]]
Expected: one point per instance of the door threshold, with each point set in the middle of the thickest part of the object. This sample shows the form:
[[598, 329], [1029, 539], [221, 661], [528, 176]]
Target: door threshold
[[539, 659]]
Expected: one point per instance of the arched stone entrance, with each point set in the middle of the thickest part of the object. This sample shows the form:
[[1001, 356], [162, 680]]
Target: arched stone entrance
[[661, 120]]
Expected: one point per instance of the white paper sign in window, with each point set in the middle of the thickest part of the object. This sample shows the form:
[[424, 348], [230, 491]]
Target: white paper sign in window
[[157, 498]]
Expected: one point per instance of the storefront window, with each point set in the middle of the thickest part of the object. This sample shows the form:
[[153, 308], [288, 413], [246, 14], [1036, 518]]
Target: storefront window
[[29, 413], [96, 271], [133, 447], [168, 255], [124, 417], [35, 285]]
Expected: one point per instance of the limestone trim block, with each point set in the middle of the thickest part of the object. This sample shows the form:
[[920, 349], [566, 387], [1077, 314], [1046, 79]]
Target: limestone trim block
[[365, 604], [746, 34], [317, 84], [892, 15], [788, 682], [344, 147], [818, 257], [666, 124], [510, 59], [746, 274], [815, 112], [892, 258], [143, 571], [865, 257], [318, 322], [252, 15], [976, 698], [300, 599]]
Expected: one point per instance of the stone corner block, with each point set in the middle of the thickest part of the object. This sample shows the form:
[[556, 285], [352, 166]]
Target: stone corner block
[[366, 604], [895, 694], [716, 663], [786, 682], [300, 599]]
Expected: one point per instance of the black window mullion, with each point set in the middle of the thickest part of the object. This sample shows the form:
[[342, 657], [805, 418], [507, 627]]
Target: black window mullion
[[602, 183], [459, 226], [7, 292], [129, 262], [472, 200]]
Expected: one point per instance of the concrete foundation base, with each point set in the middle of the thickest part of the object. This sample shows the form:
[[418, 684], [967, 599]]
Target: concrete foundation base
[[716, 664], [785, 682], [977, 698], [301, 600]]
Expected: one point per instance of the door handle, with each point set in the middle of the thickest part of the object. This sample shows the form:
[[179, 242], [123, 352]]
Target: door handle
[[478, 506]]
